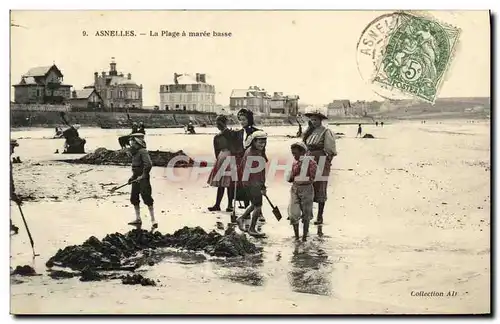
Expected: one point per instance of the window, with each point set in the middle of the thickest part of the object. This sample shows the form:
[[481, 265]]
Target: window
[[188, 88], [120, 94], [176, 106], [166, 107], [184, 107]]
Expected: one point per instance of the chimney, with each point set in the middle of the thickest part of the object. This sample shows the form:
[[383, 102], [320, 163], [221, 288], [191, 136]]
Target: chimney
[[129, 76], [197, 77], [74, 93], [112, 67], [202, 78]]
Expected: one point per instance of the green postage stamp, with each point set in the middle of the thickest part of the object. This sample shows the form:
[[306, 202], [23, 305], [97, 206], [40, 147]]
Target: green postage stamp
[[416, 57]]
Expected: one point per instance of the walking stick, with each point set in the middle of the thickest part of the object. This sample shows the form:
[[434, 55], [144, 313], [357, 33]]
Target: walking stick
[[27, 229]]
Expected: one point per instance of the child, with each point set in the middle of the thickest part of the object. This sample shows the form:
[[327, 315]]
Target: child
[[141, 166], [360, 130], [302, 191], [222, 150], [253, 181]]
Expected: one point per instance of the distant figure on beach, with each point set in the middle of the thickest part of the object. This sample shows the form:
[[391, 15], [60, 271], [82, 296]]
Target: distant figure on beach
[[376, 123], [140, 180], [360, 130], [302, 191], [382, 124], [222, 149], [13, 196], [190, 128], [321, 145], [73, 144]]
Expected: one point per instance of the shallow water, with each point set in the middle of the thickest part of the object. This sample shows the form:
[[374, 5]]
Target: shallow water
[[408, 211]]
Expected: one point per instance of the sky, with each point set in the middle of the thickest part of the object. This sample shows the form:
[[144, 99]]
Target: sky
[[309, 53]]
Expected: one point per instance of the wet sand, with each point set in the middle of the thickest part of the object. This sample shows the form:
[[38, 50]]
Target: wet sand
[[408, 211]]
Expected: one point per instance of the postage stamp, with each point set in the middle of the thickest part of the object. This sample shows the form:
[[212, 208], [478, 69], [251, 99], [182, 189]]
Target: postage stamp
[[417, 55]]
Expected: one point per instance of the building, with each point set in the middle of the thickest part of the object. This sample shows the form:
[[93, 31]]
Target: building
[[188, 94], [42, 85], [284, 105], [338, 108], [117, 91], [255, 99], [86, 99], [292, 105]]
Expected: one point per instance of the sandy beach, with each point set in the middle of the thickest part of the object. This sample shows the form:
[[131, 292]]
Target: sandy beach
[[408, 214]]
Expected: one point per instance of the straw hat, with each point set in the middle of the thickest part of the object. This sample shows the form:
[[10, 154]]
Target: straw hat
[[254, 135], [316, 113]]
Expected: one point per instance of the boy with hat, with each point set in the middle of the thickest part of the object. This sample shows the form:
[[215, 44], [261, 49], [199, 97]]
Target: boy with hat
[[302, 192], [141, 166]]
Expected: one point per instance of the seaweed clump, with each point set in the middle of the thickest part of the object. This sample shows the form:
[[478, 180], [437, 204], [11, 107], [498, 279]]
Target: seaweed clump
[[103, 156], [120, 251]]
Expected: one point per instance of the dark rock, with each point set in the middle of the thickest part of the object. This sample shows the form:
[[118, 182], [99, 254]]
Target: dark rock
[[115, 251], [137, 279], [24, 270], [103, 156], [368, 136], [61, 274]]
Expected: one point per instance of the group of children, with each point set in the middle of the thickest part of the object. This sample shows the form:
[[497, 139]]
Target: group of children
[[229, 144], [246, 150]]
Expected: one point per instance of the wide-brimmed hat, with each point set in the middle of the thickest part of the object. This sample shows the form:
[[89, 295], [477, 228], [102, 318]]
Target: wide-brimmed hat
[[258, 134], [316, 113]]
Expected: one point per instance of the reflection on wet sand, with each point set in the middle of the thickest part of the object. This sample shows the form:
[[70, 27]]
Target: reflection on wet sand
[[310, 269], [247, 270]]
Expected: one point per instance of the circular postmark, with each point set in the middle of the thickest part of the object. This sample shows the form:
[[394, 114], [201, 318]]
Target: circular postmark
[[405, 55], [370, 51]]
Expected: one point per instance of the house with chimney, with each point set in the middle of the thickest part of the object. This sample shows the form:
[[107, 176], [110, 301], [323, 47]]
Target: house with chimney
[[85, 100], [188, 93], [42, 85], [254, 98], [287, 105], [117, 91]]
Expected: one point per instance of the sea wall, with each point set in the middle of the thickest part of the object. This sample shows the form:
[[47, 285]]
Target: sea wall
[[52, 118]]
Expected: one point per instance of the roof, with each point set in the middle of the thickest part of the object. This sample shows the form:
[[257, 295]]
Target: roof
[[187, 79], [117, 80], [339, 104], [28, 80], [82, 94], [241, 93], [40, 71]]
